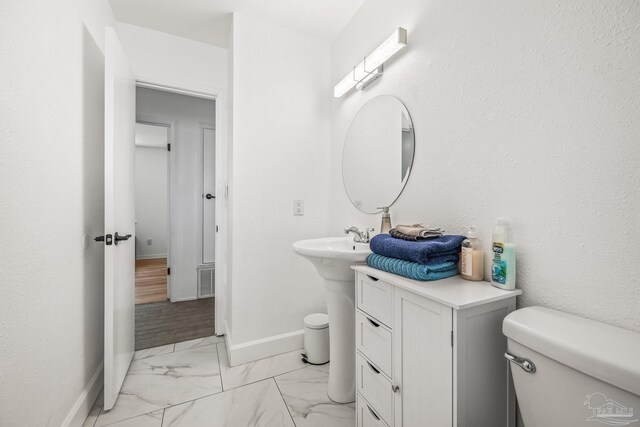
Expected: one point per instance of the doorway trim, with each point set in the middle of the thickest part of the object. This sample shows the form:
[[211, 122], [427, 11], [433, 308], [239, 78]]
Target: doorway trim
[[221, 211]]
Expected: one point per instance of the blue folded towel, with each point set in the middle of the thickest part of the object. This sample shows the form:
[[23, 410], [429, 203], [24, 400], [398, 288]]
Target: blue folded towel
[[413, 270], [440, 249]]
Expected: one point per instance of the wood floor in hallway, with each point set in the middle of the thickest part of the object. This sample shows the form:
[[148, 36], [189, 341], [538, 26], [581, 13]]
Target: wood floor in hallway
[[169, 322], [151, 280]]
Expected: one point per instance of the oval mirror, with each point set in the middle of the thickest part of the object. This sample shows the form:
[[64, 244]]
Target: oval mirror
[[378, 154]]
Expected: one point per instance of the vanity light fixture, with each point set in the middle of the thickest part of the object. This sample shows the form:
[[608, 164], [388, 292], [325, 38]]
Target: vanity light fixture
[[371, 66]]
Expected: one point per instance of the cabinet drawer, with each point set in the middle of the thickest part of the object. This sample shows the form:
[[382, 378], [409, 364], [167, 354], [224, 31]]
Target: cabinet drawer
[[374, 341], [367, 416], [375, 387], [374, 298]]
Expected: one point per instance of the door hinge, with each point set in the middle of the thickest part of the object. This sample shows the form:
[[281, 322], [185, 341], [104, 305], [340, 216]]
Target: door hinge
[[168, 147], [168, 271], [451, 338], [216, 228]]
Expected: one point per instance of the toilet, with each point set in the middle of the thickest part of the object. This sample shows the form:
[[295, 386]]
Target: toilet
[[571, 371]]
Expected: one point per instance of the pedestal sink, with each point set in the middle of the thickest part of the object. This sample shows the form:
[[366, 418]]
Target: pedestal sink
[[333, 258]]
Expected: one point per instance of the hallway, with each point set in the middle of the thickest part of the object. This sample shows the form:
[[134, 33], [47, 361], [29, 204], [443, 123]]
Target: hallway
[[170, 322]]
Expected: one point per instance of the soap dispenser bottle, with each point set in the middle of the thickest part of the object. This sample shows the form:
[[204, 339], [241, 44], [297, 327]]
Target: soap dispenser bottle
[[503, 266], [385, 227], [472, 257]]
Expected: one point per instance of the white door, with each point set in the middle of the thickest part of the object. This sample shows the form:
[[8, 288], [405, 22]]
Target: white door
[[422, 365], [119, 255], [209, 200]]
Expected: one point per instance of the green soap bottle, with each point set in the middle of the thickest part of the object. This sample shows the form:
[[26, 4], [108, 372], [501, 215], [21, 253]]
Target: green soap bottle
[[503, 264]]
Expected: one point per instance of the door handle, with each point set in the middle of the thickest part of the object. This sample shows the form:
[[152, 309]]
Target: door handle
[[107, 239], [119, 238], [375, 324], [210, 196]]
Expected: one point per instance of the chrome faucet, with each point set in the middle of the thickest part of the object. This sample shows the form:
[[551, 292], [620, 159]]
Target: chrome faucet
[[359, 236]]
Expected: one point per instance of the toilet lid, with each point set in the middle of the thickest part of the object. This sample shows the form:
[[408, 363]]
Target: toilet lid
[[316, 321]]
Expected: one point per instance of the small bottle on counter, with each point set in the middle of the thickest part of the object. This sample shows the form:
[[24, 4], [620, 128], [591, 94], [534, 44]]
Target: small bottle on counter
[[472, 257], [385, 226], [503, 266]]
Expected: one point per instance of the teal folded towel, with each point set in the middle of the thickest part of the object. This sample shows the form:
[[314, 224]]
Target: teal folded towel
[[413, 270]]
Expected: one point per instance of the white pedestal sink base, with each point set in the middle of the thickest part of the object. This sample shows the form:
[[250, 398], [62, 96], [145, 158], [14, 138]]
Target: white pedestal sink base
[[342, 338], [333, 258]]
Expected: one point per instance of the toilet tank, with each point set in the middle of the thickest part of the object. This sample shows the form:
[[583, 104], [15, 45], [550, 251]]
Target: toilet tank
[[586, 373]]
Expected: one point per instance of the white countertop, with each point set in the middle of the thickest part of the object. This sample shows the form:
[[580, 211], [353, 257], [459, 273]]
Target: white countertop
[[454, 291]]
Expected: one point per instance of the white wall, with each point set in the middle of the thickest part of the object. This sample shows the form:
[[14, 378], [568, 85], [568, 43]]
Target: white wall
[[186, 115], [280, 152], [531, 113], [158, 57], [151, 201], [51, 198]]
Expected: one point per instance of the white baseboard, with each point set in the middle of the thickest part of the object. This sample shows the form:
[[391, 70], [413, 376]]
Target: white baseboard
[[152, 256], [82, 407], [227, 339], [263, 348]]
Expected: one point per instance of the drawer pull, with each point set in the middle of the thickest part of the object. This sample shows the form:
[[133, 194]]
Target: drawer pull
[[373, 413], [377, 325], [373, 279], [373, 368], [395, 388]]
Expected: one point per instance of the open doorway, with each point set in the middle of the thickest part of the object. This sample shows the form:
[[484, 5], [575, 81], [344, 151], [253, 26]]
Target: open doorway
[[175, 217]]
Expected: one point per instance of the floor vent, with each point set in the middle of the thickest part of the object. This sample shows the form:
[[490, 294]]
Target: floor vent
[[206, 281]]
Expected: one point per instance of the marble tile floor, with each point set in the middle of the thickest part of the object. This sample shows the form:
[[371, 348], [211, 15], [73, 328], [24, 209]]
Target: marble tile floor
[[190, 384]]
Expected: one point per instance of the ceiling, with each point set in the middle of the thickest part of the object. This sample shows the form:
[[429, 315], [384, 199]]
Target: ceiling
[[209, 21]]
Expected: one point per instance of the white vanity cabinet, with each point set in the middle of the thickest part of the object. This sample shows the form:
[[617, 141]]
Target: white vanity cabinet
[[431, 353]]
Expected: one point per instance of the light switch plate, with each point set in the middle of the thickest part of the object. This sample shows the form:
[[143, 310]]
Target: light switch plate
[[298, 207]]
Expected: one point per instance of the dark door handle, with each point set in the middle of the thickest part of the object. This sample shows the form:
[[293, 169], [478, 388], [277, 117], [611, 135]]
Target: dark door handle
[[210, 196], [119, 238], [107, 239]]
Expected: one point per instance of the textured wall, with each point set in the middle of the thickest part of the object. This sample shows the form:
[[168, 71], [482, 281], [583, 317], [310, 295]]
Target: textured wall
[[280, 152], [51, 195], [170, 60], [525, 110]]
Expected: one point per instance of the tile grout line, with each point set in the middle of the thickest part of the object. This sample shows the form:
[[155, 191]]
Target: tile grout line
[[284, 401], [166, 407], [266, 378], [220, 368], [198, 398]]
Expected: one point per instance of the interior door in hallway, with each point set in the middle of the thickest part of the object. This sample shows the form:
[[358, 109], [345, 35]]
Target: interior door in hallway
[[119, 218], [209, 201]]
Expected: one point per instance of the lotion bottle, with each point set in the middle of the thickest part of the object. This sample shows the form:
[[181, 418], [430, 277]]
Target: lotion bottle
[[503, 265], [385, 227], [472, 257]]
